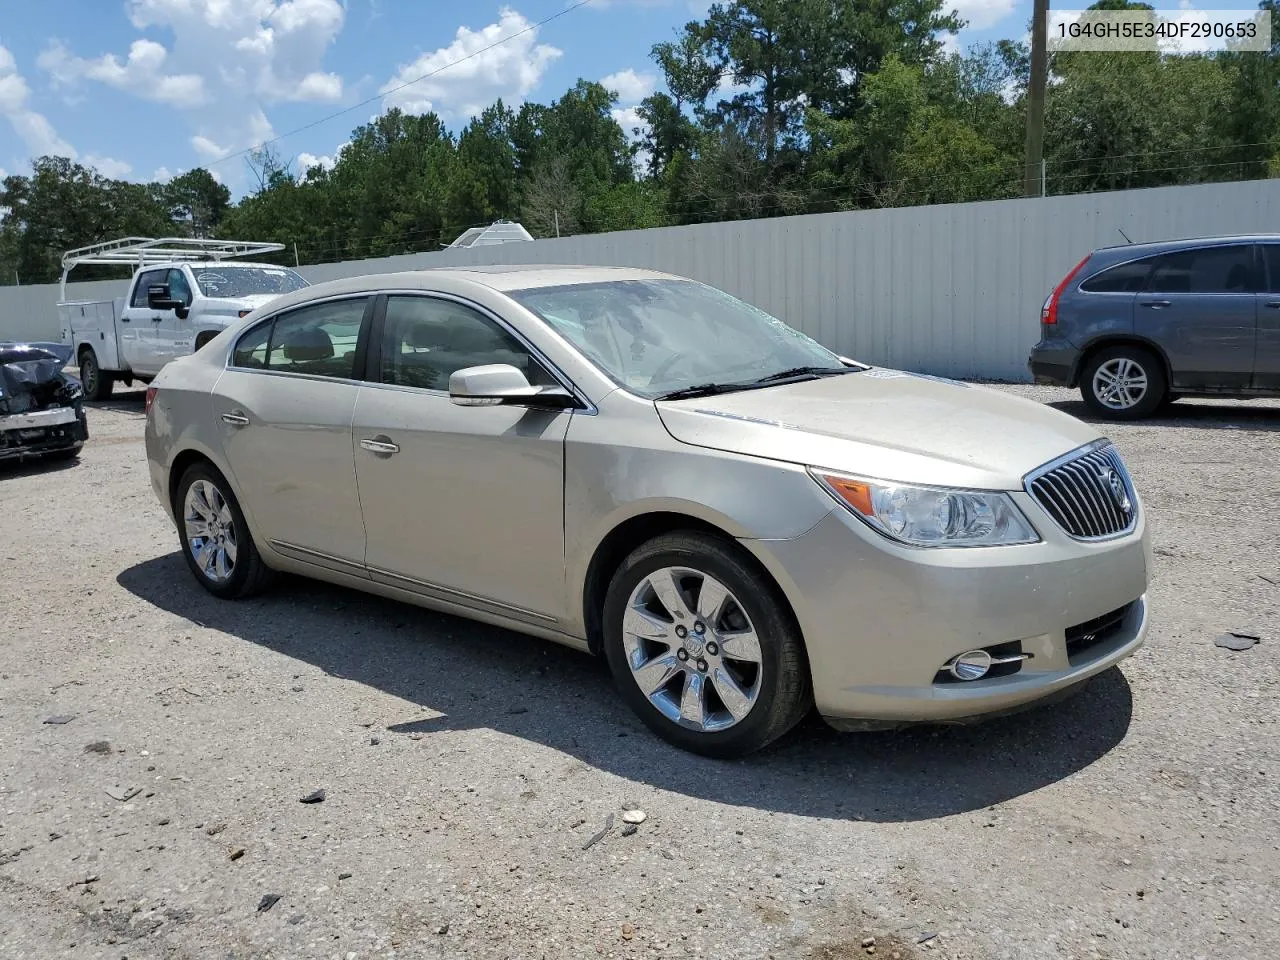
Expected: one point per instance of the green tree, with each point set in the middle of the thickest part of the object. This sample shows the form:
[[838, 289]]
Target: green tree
[[197, 200]]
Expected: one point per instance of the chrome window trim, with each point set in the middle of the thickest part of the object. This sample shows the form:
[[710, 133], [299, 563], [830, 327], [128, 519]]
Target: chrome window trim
[[1100, 444], [271, 318], [589, 408]]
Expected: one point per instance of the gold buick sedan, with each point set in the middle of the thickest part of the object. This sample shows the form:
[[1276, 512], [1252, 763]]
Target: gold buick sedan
[[743, 523]]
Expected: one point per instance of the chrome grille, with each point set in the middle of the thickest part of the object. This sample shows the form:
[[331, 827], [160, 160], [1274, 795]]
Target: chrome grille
[[1088, 494]]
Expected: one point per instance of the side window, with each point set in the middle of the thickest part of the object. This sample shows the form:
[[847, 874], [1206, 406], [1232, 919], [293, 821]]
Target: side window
[[425, 340], [147, 279], [179, 289], [319, 340], [1271, 252], [1124, 278], [251, 350], [1207, 270]]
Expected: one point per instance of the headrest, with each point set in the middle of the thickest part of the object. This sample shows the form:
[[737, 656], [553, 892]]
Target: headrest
[[305, 345]]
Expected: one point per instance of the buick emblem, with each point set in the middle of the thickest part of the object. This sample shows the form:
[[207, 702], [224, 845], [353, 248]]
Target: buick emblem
[[1118, 491]]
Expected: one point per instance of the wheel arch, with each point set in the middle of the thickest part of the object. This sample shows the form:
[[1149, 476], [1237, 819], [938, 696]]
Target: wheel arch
[[631, 533], [1093, 348]]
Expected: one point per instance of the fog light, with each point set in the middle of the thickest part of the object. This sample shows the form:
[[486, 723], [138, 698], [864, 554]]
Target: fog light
[[971, 666]]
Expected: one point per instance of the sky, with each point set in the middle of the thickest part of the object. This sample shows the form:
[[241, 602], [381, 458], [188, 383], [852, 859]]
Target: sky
[[146, 89]]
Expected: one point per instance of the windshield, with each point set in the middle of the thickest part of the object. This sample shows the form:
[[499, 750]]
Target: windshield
[[656, 337], [235, 282]]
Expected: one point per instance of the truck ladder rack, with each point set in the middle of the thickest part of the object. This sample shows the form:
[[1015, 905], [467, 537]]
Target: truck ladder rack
[[138, 252]]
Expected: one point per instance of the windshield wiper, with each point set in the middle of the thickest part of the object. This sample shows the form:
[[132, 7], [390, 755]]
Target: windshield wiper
[[704, 390], [803, 372]]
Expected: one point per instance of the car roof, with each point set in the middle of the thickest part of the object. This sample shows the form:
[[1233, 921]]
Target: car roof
[[1157, 246]]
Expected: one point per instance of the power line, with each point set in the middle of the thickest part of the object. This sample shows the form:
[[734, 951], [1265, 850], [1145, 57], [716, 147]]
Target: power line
[[408, 83]]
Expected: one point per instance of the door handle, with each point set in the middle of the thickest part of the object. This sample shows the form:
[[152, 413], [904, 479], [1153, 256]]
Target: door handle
[[1273, 305], [1157, 304], [235, 419], [157, 319], [380, 445], [124, 319]]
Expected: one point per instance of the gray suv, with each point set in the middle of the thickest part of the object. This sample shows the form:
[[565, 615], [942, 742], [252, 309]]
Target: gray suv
[[1137, 326]]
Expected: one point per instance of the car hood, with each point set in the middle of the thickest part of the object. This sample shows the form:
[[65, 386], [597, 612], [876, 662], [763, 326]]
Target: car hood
[[885, 424]]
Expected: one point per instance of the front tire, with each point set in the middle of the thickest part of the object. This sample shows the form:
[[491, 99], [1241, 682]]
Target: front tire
[[703, 647], [1124, 383], [216, 542], [97, 383]]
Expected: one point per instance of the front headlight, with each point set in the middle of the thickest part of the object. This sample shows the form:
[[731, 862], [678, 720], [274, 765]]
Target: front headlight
[[931, 516]]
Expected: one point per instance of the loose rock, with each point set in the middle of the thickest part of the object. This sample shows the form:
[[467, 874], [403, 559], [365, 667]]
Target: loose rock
[[236, 853], [60, 719], [628, 931], [634, 816], [629, 829], [316, 796], [442, 929], [100, 747], [268, 901], [1237, 641]]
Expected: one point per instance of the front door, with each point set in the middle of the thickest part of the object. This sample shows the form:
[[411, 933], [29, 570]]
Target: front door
[[1266, 363], [138, 324], [283, 409], [1200, 306], [461, 503], [173, 333]]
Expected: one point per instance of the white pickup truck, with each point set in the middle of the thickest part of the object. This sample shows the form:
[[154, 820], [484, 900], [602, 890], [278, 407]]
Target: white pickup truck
[[183, 294]]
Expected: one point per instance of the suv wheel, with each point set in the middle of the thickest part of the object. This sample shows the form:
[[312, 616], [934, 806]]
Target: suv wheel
[[703, 648], [1123, 383]]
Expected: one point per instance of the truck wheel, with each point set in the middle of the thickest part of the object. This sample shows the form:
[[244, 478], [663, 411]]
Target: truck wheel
[[97, 382]]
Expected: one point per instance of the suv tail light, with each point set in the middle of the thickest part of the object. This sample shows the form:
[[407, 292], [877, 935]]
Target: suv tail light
[[1049, 312], [151, 397]]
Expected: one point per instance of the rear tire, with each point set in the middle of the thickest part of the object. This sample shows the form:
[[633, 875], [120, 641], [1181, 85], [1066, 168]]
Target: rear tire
[[225, 559], [97, 383], [1123, 383], [743, 683]]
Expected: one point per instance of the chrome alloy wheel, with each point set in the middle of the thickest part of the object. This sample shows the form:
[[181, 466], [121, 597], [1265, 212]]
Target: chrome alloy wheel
[[692, 649], [211, 531], [1120, 384]]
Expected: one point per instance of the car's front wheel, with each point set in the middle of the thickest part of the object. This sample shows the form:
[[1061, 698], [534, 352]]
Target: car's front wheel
[[216, 542], [703, 646], [1123, 383]]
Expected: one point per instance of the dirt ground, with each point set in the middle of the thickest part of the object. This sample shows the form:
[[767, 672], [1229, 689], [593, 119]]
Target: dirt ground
[[466, 768]]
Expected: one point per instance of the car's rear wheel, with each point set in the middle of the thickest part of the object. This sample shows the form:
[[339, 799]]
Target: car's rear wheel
[[97, 383], [216, 542], [703, 647], [1123, 383]]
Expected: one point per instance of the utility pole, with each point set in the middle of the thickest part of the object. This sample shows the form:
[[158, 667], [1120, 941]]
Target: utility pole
[[556, 215], [1032, 176], [296, 261]]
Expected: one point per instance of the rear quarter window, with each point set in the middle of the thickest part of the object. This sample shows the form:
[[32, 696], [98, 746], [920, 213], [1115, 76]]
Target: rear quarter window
[[1123, 278]]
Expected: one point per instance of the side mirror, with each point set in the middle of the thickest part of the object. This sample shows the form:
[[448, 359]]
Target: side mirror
[[494, 384], [159, 298]]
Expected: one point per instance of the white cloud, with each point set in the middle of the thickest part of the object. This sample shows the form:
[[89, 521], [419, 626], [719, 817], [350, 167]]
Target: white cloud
[[950, 44], [162, 175], [981, 14], [510, 70], [207, 148], [628, 118], [305, 161], [141, 74], [631, 87], [115, 169], [32, 127]]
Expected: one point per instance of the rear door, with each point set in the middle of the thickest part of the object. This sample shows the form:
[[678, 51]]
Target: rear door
[[1266, 364], [1200, 307], [284, 409], [139, 343]]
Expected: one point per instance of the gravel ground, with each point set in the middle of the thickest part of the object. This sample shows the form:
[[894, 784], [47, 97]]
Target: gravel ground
[[466, 767]]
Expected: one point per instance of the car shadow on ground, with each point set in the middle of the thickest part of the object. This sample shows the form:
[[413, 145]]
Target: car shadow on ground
[[486, 677], [1236, 415], [122, 401], [34, 466]]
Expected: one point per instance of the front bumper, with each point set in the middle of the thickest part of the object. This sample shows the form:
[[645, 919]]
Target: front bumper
[[880, 620], [37, 432]]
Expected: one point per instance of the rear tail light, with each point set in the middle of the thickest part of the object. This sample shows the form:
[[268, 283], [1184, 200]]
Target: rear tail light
[[1049, 312], [151, 398]]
